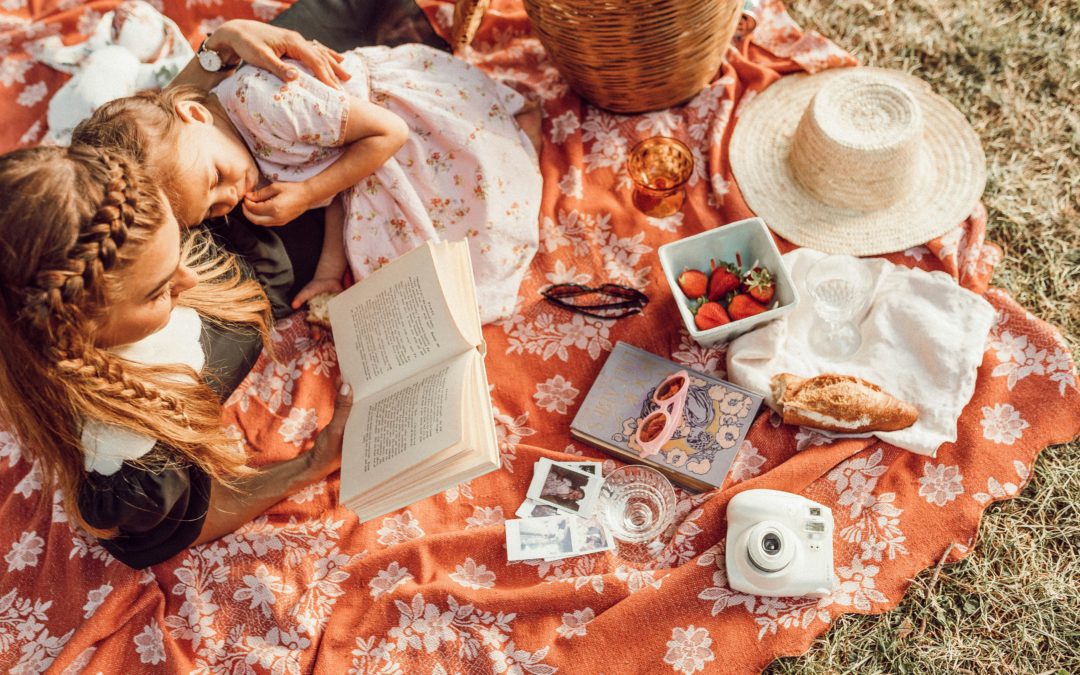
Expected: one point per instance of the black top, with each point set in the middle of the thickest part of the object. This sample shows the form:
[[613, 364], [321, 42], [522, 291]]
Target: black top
[[159, 513]]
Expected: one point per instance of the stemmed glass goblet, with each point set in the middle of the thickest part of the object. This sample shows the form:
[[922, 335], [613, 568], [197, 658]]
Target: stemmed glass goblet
[[840, 287]]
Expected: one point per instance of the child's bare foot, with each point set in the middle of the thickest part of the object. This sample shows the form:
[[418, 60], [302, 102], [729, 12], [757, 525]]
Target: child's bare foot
[[531, 119]]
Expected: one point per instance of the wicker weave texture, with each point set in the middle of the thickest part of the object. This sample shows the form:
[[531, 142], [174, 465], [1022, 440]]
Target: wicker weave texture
[[632, 56]]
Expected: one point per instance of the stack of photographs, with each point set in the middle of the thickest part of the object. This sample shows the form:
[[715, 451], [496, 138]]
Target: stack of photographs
[[557, 519]]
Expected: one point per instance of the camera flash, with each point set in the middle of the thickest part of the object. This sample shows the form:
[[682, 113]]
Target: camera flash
[[815, 526]]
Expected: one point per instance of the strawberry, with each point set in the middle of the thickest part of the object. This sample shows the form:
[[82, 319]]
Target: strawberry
[[759, 283], [723, 280], [711, 315], [693, 282], [743, 305]]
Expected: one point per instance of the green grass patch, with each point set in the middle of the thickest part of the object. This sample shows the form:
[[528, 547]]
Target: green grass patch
[[1013, 605]]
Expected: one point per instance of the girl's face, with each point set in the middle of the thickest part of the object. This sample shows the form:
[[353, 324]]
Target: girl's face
[[215, 169], [147, 290]]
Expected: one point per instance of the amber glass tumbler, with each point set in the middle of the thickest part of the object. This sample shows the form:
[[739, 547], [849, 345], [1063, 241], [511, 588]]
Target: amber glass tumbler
[[660, 167]]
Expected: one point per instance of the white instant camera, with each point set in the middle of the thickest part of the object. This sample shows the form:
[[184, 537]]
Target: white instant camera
[[779, 544]]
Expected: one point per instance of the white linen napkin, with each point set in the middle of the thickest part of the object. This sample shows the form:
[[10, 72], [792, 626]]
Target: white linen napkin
[[923, 341]]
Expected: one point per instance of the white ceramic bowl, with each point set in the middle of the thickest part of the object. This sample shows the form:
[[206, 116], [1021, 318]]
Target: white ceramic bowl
[[752, 240]]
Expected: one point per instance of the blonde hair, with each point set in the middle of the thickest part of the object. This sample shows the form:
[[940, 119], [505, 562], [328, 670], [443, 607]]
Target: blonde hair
[[145, 126], [71, 221]]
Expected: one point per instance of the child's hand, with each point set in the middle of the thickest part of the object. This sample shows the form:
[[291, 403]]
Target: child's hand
[[316, 286], [277, 203]]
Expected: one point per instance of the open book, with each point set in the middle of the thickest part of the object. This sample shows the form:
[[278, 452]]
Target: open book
[[409, 342]]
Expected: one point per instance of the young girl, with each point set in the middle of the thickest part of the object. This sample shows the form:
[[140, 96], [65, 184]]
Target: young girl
[[418, 145], [104, 325]]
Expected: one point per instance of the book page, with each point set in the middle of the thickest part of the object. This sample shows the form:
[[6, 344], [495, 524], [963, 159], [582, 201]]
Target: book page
[[476, 454], [396, 429], [461, 291], [399, 321]]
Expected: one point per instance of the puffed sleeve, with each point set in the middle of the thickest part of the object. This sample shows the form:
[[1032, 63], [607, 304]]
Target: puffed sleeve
[[157, 513], [293, 129]]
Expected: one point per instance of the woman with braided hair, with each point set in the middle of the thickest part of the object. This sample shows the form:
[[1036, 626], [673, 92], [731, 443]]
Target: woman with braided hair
[[119, 342]]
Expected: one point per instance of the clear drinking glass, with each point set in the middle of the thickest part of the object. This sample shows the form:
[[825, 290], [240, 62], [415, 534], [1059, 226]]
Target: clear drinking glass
[[637, 503], [840, 287]]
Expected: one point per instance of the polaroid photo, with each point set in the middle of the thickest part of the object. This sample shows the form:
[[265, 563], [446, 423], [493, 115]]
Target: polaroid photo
[[595, 468], [593, 537], [533, 538], [568, 489], [534, 509], [588, 536], [555, 537]]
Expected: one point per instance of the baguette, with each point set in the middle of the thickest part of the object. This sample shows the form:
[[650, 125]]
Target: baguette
[[839, 403]]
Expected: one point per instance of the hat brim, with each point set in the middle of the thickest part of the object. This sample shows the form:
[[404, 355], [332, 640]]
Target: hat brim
[[949, 184]]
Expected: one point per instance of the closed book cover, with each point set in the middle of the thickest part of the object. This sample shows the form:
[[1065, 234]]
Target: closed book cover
[[715, 418]]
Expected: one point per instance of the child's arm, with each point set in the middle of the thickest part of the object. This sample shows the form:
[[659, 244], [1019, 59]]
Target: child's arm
[[372, 135], [332, 260]]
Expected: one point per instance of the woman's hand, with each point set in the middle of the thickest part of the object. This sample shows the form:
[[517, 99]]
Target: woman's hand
[[265, 46], [324, 458], [232, 507]]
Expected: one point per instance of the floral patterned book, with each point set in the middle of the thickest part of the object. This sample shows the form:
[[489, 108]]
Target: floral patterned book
[[715, 418]]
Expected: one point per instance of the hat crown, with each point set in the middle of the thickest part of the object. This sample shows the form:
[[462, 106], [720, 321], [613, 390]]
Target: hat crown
[[858, 143]]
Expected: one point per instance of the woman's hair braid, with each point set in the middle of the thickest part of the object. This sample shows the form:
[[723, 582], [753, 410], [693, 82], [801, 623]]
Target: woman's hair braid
[[105, 374], [95, 252], [57, 288]]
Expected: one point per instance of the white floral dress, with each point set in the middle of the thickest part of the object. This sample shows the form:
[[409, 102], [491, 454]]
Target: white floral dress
[[467, 170]]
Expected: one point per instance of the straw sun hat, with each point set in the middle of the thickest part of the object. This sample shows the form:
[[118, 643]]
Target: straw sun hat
[[857, 160]]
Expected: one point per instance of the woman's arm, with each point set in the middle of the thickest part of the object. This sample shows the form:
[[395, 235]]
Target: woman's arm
[[372, 135], [265, 46], [229, 509]]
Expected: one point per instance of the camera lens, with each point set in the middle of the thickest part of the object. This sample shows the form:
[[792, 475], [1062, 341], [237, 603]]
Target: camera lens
[[771, 543], [769, 546]]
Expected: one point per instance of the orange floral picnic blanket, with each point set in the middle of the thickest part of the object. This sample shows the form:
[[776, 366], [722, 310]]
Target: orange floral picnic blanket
[[427, 589]]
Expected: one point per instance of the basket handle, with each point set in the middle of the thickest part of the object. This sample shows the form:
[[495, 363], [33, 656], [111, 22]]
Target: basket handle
[[467, 17]]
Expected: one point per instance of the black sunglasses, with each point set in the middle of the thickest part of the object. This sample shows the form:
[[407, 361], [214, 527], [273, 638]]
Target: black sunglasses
[[621, 301]]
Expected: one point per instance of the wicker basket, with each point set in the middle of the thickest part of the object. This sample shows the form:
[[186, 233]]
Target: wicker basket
[[632, 56]]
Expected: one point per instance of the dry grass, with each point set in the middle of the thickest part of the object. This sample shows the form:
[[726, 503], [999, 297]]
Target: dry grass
[[1013, 605]]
